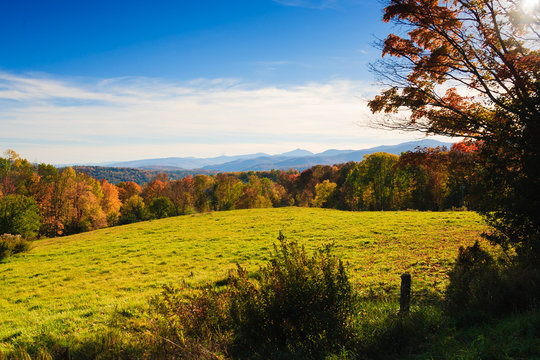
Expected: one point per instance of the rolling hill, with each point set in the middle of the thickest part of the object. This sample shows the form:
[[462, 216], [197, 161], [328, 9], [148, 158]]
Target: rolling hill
[[69, 287]]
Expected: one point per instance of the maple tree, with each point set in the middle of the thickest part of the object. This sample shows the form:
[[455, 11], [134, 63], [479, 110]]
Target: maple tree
[[154, 189], [128, 189], [81, 202], [472, 69], [182, 194], [110, 202]]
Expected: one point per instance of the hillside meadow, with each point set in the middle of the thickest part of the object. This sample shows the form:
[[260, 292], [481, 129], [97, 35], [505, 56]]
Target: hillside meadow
[[69, 287]]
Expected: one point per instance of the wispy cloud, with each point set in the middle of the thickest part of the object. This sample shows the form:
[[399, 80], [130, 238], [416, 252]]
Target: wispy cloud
[[67, 120], [312, 4], [276, 64]]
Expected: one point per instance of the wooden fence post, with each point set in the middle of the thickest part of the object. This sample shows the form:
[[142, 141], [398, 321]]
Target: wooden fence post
[[405, 296]]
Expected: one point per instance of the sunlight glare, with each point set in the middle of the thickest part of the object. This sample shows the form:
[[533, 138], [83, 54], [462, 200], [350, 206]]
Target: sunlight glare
[[529, 5]]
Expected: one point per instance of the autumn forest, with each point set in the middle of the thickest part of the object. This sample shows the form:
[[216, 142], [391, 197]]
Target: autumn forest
[[41, 200]]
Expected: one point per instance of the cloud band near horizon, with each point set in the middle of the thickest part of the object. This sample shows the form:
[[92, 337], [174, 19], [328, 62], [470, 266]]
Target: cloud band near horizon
[[48, 119]]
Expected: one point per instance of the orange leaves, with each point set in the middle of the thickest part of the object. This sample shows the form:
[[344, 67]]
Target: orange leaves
[[385, 102], [453, 100], [530, 64], [471, 43], [465, 147], [154, 189], [110, 202], [424, 12], [396, 46], [128, 189]]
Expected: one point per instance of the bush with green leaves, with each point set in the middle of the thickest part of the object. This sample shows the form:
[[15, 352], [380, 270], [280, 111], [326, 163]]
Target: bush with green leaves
[[298, 306], [474, 286], [19, 215], [482, 287], [12, 244]]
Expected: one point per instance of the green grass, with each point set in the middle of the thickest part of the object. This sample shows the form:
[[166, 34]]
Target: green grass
[[512, 337], [69, 287]]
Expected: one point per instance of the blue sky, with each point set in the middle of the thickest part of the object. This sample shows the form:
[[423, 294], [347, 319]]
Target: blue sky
[[92, 81]]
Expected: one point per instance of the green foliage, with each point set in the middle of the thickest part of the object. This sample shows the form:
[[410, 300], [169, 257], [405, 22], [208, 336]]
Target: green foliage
[[299, 305], [203, 187], [112, 218], [227, 192], [474, 284], [161, 207], [371, 183], [515, 336], [481, 288], [19, 215], [197, 327], [12, 244], [323, 190], [387, 334], [133, 210]]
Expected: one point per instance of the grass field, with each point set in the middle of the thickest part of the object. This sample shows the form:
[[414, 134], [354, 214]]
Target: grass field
[[70, 286]]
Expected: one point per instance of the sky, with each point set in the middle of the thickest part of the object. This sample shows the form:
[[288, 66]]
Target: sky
[[94, 81]]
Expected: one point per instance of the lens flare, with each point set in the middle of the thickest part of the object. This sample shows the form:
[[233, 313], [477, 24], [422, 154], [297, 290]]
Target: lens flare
[[530, 5]]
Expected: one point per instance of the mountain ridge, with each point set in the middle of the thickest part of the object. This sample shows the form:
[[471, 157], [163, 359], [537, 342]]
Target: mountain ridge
[[329, 157], [298, 159]]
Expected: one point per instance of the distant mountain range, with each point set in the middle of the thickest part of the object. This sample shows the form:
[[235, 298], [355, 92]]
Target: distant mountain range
[[296, 159]]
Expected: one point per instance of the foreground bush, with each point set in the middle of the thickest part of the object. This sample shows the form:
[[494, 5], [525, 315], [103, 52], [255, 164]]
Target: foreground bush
[[12, 244], [300, 305], [481, 287], [297, 307]]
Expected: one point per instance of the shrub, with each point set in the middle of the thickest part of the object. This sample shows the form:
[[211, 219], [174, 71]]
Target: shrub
[[481, 288], [112, 218], [301, 306], [12, 244], [296, 307], [193, 328]]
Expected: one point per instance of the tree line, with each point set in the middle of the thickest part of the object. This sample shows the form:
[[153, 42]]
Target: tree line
[[41, 200], [140, 176]]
